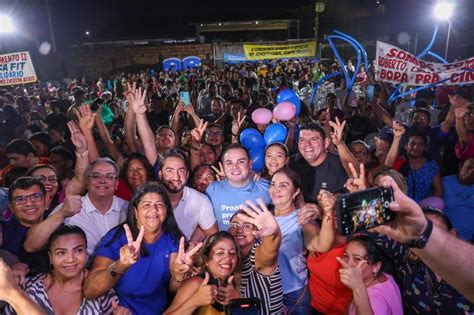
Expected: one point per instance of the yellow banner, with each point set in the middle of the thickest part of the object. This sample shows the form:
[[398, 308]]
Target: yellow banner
[[260, 52]]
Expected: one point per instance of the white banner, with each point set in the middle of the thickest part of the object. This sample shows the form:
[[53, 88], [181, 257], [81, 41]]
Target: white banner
[[16, 68], [395, 65]]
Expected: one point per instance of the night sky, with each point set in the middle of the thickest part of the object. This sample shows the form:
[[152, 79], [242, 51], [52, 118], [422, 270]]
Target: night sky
[[119, 19]]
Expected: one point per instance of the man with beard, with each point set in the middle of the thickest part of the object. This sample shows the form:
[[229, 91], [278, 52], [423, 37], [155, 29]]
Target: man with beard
[[459, 200], [191, 208], [205, 98]]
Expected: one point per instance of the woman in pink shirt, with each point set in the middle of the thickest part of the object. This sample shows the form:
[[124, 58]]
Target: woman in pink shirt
[[374, 291]]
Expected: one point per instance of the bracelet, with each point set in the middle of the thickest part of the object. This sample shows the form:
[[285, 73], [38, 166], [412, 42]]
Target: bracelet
[[114, 272], [197, 148], [83, 154], [424, 237], [176, 280]]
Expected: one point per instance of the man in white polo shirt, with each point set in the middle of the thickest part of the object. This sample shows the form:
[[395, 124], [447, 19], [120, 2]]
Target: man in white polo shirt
[[191, 208], [96, 212]]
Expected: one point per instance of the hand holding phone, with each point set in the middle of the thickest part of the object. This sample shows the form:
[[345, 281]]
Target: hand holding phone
[[363, 210], [184, 97]]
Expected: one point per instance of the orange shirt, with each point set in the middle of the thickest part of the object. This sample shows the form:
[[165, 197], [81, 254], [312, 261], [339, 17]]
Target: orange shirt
[[6, 169], [328, 294]]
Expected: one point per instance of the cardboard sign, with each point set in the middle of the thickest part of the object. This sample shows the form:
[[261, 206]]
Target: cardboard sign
[[395, 65], [16, 68]]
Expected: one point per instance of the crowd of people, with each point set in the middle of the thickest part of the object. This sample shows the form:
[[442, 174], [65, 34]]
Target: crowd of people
[[119, 198]]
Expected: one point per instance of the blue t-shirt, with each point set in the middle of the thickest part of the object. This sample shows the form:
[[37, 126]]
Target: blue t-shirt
[[226, 199], [459, 206], [423, 179], [292, 263], [144, 287]]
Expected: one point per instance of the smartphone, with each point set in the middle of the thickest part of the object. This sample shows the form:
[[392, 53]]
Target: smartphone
[[244, 306], [370, 92], [363, 210], [184, 97]]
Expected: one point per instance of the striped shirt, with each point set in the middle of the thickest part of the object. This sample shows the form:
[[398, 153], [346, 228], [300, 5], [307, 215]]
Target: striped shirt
[[35, 289], [267, 288]]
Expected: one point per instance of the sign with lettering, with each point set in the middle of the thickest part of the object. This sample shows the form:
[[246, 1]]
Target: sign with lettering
[[16, 68]]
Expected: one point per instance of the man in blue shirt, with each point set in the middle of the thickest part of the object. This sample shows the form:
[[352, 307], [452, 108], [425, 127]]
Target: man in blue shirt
[[459, 200], [227, 195]]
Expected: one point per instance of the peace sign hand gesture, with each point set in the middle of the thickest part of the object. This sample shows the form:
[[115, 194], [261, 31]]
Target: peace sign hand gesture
[[260, 217], [351, 277], [130, 252], [237, 124], [137, 99], [338, 133], [220, 174], [183, 262], [357, 181], [197, 132]]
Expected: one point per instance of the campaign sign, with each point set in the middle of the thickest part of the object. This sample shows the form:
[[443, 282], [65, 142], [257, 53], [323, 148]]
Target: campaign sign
[[16, 68], [395, 65]]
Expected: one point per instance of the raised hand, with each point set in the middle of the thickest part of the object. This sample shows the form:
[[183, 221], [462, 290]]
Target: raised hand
[[237, 124], [327, 202], [7, 280], [20, 270], [357, 181], [460, 112], [259, 216], [351, 277], [220, 174], [398, 129], [184, 261], [198, 132], [206, 294], [409, 223], [309, 212], [337, 134], [77, 137], [227, 293], [119, 310], [457, 101], [130, 252], [72, 205], [86, 118], [179, 108], [137, 99]]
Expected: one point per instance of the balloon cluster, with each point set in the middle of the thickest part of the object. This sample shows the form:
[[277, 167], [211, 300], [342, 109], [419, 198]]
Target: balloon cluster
[[289, 106]]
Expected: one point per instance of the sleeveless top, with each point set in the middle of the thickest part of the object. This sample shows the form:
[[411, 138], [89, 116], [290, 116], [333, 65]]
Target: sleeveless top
[[267, 288]]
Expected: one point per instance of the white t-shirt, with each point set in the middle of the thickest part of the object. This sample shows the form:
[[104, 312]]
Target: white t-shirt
[[94, 223], [193, 209]]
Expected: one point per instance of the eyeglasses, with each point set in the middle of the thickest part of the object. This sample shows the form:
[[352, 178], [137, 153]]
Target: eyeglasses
[[246, 227], [359, 153], [98, 176], [214, 133], [51, 179], [21, 200]]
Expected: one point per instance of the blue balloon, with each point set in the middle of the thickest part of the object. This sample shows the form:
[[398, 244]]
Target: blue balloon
[[275, 133], [288, 95], [258, 159], [250, 138]]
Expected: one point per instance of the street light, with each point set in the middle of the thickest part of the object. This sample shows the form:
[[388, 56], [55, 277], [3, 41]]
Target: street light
[[6, 24], [443, 11]]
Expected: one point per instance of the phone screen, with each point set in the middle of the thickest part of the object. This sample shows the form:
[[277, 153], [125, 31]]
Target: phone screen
[[245, 306], [184, 96], [370, 92], [363, 210]]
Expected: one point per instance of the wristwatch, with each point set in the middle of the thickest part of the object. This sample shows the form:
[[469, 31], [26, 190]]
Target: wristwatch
[[114, 273], [424, 237]]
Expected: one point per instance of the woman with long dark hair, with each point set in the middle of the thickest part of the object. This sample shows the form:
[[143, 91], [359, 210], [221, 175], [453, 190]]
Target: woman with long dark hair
[[140, 258], [59, 288]]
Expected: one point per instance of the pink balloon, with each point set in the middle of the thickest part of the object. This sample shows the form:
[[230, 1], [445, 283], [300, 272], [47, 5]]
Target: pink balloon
[[262, 116], [434, 202], [284, 111]]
